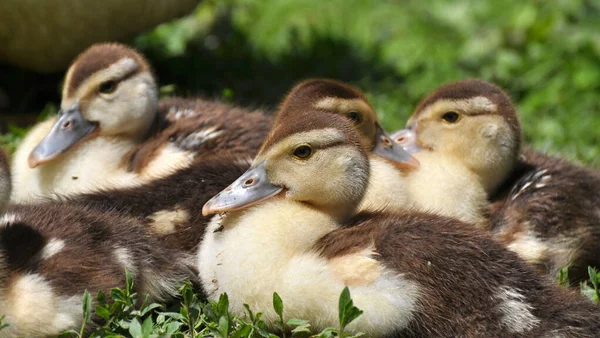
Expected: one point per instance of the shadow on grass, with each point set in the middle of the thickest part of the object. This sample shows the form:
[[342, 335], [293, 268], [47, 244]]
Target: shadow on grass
[[259, 79]]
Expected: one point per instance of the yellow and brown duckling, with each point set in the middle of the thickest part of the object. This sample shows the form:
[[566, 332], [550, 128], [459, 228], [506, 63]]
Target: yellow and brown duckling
[[289, 225], [544, 209], [110, 116]]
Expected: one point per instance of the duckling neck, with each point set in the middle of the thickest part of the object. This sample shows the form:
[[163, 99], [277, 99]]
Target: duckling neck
[[386, 189], [75, 171], [447, 187]]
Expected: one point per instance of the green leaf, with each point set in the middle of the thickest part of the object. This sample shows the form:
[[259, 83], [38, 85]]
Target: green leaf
[[135, 329], [129, 282], [348, 312], [223, 304], [173, 327], [149, 308], [593, 275], [224, 326], [102, 312], [174, 315], [87, 306], [563, 277], [278, 305], [147, 327]]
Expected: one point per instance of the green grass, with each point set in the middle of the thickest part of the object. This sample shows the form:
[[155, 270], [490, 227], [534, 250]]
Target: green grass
[[123, 314]]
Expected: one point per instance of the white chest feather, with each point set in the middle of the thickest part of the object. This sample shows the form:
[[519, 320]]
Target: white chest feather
[[89, 166], [249, 255]]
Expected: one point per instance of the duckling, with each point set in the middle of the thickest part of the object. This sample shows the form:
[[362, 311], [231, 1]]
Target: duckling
[[110, 116], [50, 253], [543, 208], [289, 225], [5, 185], [98, 119]]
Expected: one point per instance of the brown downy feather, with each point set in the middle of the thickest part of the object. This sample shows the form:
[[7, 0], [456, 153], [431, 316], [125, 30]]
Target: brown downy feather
[[556, 202], [54, 251], [467, 281], [171, 207], [202, 127], [466, 89], [98, 57]]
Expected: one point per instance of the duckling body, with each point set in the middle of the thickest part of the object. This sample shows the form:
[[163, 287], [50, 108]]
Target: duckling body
[[112, 131], [414, 275], [548, 211], [198, 127], [51, 252], [544, 209], [287, 230], [170, 207]]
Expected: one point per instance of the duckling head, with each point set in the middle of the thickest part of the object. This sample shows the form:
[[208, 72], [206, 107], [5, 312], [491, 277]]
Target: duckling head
[[109, 90], [5, 180], [339, 98], [472, 121], [315, 158]]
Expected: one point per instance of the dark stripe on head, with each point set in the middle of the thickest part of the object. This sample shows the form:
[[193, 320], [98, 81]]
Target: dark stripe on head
[[308, 92], [98, 57], [466, 89], [307, 121]]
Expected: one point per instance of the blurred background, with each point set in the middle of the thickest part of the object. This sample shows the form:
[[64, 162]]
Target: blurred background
[[546, 53]]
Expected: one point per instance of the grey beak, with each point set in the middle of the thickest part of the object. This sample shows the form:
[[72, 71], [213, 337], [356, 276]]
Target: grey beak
[[70, 128], [385, 147], [250, 188], [407, 138]]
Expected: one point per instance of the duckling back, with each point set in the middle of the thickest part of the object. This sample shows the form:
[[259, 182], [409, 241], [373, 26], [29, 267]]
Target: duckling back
[[549, 213], [51, 252]]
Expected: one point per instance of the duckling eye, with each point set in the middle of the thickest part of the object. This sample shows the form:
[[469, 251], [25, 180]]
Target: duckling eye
[[302, 152], [108, 87], [451, 117], [354, 116]]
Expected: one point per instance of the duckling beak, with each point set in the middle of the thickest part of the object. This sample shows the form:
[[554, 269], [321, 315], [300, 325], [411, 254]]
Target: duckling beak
[[252, 187], [393, 151], [407, 138], [70, 127]]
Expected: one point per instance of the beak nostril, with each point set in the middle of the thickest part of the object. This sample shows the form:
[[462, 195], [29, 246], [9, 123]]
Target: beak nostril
[[66, 125], [249, 182], [400, 139]]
